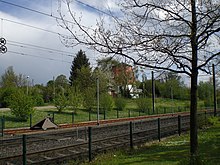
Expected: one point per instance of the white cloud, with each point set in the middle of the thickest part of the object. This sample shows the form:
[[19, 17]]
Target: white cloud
[[38, 68]]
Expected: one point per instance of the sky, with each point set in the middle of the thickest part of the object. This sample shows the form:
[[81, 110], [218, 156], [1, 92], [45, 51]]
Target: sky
[[34, 46], [31, 32]]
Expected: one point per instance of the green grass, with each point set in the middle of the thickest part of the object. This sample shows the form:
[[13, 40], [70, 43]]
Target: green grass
[[82, 115], [171, 151]]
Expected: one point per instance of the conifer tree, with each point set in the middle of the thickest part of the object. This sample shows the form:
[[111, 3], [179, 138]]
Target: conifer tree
[[78, 62]]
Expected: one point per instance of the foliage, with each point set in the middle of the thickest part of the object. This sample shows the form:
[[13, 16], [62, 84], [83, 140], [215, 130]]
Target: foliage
[[89, 98], [84, 79], [177, 36], [11, 79], [36, 92], [170, 151], [78, 62], [144, 104], [205, 92], [60, 102], [106, 102], [120, 103], [213, 120], [21, 105], [61, 84], [5, 94], [49, 92], [75, 98], [105, 80]]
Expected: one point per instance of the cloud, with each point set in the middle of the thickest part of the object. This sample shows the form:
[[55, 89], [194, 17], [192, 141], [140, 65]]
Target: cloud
[[40, 64]]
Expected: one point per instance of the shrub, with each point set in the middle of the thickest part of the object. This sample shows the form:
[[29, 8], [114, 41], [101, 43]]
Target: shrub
[[21, 105], [106, 102], [38, 100], [120, 103], [144, 104], [60, 102], [5, 95], [75, 100]]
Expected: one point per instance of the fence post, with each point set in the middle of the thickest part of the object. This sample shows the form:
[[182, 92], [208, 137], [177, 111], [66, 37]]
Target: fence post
[[104, 114], [73, 117], [30, 120], [90, 143], [24, 156], [179, 125], [131, 136], [129, 113], [3, 123], [53, 117], [158, 123], [89, 114], [2, 126]]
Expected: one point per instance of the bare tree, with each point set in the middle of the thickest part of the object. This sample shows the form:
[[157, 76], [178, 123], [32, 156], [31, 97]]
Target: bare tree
[[181, 36]]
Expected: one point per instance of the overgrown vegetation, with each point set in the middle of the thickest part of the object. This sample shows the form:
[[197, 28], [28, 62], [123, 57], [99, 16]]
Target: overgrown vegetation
[[21, 105]]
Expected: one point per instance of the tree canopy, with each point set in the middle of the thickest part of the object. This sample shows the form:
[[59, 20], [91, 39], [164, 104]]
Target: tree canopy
[[78, 62], [181, 36]]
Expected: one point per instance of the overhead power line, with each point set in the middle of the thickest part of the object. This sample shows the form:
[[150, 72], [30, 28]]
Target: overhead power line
[[25, 54], [94, 8], [31, 46], [31, 26]]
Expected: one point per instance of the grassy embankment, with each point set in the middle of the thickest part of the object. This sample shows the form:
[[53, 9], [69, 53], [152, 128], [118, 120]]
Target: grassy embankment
[[170, 151], [83, 115]]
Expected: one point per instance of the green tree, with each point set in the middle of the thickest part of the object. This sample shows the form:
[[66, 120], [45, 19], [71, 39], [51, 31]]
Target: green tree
[[144, 104], [106, 102], [61, 82], [171, 86], [60, 102], [5, 94], [89, 98], [49, 92], [104, 80], [11, 79], [174, 35], [21, 105], [78, 62], [205, 92], [120, 103], [84, 79], [75, 99], [37, 94]]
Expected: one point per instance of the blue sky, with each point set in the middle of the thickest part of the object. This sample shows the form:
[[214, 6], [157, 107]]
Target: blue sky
[[22, 28], [18, 25]]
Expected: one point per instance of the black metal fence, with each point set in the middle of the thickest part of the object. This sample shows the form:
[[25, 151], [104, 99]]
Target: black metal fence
[[59, 146]]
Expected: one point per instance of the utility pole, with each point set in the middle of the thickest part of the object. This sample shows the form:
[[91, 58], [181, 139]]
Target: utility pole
[[97, 80], [153, 92], [214, 88], [27, 84]]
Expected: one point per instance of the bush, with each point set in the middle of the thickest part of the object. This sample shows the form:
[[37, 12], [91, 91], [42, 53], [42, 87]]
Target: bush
[[60, 102], [144, 104], [120, 103], [75, 100], [5, 95], [89, 98], [38, 100], [21, 105], [106, 102]]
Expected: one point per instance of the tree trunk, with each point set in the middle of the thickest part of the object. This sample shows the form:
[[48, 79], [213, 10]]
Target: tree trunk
[[193, 116], [194, 78]]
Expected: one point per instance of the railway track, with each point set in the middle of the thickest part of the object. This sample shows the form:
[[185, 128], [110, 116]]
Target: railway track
[[59, 146]]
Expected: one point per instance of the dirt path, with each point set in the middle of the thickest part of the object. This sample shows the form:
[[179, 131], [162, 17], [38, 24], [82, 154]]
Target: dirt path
[[38, 108]]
